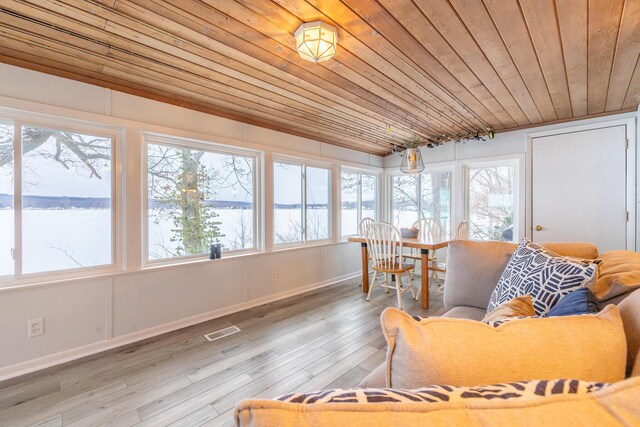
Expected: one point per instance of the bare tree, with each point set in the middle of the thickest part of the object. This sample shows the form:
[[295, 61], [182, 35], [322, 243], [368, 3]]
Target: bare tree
[[491, 202]]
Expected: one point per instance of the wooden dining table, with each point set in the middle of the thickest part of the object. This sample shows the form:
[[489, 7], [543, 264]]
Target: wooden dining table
[[424, 247]]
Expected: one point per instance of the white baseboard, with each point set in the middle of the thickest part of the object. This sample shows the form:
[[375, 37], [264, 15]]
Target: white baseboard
[[97, 347]]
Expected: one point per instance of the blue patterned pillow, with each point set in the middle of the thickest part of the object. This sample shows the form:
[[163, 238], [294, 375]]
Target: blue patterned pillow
[[544, 275]]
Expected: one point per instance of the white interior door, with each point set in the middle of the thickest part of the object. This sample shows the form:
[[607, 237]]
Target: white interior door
[[579, 187]]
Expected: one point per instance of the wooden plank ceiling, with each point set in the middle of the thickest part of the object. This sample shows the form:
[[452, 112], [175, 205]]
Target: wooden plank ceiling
[[440, 70]]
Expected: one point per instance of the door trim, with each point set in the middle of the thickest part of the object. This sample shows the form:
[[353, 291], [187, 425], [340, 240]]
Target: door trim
[[630, 191]]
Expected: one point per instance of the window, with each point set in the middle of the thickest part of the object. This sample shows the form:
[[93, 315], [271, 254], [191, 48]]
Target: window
[[358, 200], [301, 203], [404, 201], [6, 200], [491, 205], [196, 197], [64, 205], [435, 198], [427, 195]]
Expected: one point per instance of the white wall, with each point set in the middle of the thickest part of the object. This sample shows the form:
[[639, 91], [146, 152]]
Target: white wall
[[516, 144], [83, 316]]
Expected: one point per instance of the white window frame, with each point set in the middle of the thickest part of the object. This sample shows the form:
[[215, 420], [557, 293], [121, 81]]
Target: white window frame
[[360, 172], [117, 197], [516, 161], [209, 147], [442, 167], [305, 163]]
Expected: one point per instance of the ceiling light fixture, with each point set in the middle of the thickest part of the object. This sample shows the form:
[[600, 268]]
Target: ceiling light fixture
[[411, 162], [316, 41]]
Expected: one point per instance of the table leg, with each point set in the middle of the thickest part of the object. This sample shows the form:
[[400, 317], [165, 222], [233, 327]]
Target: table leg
[[365, 268], [424, 272]]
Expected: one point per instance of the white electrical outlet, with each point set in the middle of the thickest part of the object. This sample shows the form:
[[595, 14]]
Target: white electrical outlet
[[36, 327], [274, 276]]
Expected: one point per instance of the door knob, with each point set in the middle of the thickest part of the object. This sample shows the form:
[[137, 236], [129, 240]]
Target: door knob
[[537, 228]]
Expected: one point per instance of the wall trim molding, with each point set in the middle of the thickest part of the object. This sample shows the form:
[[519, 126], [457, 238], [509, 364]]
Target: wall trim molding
[[59, 358]]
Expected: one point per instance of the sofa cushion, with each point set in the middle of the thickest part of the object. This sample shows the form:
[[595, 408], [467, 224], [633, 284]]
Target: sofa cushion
[[543, 274], [465, 312], [580, 301], [463, 352], [578, 250], [613, 405], [376, 378], [618, 273], [521, 306], [630, 314]]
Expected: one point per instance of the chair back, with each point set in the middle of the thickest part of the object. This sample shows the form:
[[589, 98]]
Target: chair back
[[429, 230], [462, 233], [364, 225], [384, 243]]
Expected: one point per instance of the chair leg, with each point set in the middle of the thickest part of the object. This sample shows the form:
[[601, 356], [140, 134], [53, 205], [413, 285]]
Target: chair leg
[[413, 294], [386, 282], [399, 290], [372, 284]]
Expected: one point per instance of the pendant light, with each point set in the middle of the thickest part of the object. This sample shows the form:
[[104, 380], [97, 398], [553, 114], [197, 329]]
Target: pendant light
[[411, 163], [316, 41]]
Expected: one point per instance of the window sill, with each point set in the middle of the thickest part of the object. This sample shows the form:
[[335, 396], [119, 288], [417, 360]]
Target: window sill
[[293, 246], [186, 261], [25, 284]]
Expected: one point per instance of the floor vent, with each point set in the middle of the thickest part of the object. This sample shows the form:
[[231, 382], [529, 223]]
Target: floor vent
[[222, 333]]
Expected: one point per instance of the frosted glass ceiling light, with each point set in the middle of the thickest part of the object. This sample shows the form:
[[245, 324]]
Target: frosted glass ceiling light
[[316, 41], [411, 161]]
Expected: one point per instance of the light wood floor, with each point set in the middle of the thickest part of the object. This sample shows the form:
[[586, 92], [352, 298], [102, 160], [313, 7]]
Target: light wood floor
[[322, 339]]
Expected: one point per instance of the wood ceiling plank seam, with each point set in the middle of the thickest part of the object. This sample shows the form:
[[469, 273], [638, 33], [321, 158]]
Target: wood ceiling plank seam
[[632, 97], [431, 65], [346, 67], [541, 21], [501, 62], [16, 20], [80, 15], [315, 15], [521, 51], [604, 24], [573, 22], [151, 93], [10, 43], [70, 54], [435, 14], [356, 47], [148, 93], [265, 106], [625, 56], [307, 111], [232, 73], [50, 66], [456, 103], [370, 105], [475, 84], [264, 93], [480, 25], [563, 57], [245, 43]]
